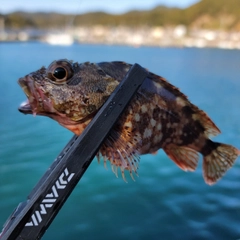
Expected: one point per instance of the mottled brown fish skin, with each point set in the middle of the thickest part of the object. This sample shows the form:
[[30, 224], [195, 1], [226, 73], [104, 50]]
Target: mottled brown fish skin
[[159, 116]]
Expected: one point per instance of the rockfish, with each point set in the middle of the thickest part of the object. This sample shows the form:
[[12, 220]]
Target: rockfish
[[158, 116]]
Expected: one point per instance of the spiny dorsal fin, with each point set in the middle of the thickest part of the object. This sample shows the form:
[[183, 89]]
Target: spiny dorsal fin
[[117, 70]]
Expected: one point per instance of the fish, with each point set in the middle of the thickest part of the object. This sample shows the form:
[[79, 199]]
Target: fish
[[159, 116]]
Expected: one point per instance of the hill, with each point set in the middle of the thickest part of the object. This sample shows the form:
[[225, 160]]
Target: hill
[[211, 14]]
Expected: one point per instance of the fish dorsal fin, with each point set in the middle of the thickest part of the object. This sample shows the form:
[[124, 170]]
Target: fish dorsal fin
[[116, 69], [121, 154], [175, 100], [211, 129], [186, 158]]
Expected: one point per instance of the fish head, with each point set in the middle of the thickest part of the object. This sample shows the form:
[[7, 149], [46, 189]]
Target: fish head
[[66, 91]]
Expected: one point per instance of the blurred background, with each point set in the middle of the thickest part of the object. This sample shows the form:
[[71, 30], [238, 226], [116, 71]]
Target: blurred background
[[189, 23], [193, 44]]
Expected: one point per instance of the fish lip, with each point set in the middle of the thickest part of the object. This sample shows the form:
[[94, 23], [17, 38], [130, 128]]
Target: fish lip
[[26, 83], [25, 108], [23, 84]]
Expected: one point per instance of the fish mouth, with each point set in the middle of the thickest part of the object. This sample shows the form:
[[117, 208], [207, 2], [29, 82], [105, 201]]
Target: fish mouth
[[37, 102]]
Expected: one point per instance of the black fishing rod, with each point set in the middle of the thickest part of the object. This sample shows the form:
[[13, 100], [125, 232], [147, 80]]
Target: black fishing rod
[[31, 218]]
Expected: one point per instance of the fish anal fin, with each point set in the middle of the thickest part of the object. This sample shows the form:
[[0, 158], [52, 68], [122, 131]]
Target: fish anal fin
[[185, 157], [218, 162]]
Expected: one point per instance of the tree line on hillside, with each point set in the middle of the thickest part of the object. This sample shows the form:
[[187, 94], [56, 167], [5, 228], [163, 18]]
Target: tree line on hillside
[[212, 14]]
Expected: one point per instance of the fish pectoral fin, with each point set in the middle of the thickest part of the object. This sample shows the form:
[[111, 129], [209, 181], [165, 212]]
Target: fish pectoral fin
[[186, 158], [218, 161], [121, 154]]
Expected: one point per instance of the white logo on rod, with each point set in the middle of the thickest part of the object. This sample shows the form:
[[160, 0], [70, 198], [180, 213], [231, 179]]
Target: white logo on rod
[[50, 198]]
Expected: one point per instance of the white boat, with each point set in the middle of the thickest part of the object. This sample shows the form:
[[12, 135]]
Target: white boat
[[59, 39]]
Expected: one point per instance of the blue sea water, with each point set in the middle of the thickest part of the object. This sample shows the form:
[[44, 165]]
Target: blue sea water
[[164, 202]]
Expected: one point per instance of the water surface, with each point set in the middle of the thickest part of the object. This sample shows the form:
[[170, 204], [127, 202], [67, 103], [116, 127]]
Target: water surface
[[164, 202]]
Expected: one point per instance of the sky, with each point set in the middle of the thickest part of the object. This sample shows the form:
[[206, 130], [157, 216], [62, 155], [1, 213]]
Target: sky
[[82, 6]]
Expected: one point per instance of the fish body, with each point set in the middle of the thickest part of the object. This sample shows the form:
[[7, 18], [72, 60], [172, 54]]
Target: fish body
[[158, 116]]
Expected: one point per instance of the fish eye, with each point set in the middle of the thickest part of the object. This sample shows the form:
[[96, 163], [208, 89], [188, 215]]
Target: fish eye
[[60, 71]]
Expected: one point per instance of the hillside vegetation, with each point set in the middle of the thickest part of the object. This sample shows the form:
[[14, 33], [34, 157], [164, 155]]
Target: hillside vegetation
[[211, 14]]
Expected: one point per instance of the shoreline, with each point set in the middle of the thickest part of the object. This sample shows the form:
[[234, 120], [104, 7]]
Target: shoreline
[[178, 36]]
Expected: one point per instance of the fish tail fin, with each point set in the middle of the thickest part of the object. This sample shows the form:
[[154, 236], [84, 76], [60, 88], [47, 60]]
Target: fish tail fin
[[218, 161]]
